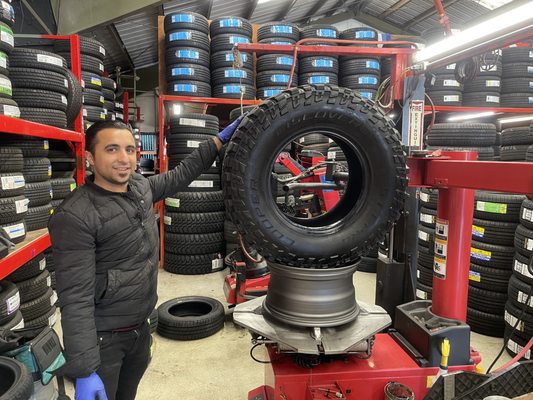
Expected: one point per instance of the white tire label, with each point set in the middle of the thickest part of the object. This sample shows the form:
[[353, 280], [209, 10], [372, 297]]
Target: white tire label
[[13, 303], [421, 295], [492, 83], [42, 58], [332, 154], [528, 244], [5, 86], [193, 144], [167, 220], [11, 111], [6, 36], [516, 348], [171, 202], [201, 184], [491, 68], [493, 99], [424, 197], [52, 319], [450, 66], [423, 236], [522, 269], [512, 320], [42, 264], [192, 122], [428, 219], [101, 50], [64, 99], [452, 98], [527, 214], [15, 231], [3, 60], [523, 297], [12, 182], [53, 298], [451, 82], [21, 206], [217, 263], [49, 281], [20, 325]]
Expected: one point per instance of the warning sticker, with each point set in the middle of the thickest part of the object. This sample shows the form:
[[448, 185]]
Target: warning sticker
[[442, 227], [441, 247], [439, 268], [479, 254], [416, 117], [494, 208]]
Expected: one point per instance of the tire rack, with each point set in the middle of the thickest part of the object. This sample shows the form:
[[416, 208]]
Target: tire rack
[[38, 241], [479, 109], [400, 61]]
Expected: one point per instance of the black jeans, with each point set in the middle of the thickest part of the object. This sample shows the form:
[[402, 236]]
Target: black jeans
[[124, 356]]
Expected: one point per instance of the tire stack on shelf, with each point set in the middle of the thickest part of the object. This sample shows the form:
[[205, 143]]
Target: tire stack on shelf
[[187, 55], [227, 81], [362, 74], [61, 188], [464, 136], [426, 243], [443, 88], [50, 266], [273, 70], [496, 216], [37, 298], [325, 71], [8, 106], [194, 219], [517, 78], [515, 143], [109, 87], [13, 204], [10, 315], [119, 109], [520, 284], [484, 89], [92, 54]]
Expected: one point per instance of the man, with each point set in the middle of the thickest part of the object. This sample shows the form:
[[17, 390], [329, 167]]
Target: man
[[105, 245]]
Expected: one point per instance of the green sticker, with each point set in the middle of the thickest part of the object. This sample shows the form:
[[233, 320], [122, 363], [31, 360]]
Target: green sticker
[[167, 220], [72, 186], [494, 208], [171, 202]]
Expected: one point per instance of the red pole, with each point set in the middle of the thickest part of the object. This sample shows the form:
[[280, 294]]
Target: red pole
[[75, 65], [161, 151], [453, 236], [443, 18]]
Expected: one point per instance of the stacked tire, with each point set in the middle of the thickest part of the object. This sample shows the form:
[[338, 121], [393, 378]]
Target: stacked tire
[[10, 316], [8, 106], [194, 219], [517, 78], [187, 54], [37, 173], [37, 299], [362, 74], [229, 80], [443, 88], [464, 136], [518, 309], [13, 204], [92, 54], [119, 109], [61, 188], [273, 70], [491, 260], [515, 143], [484, 90], [323, 69], [426, 243], [109, 88]]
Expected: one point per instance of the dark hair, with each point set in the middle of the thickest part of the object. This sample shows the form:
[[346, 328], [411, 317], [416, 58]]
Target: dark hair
[[92, 132]]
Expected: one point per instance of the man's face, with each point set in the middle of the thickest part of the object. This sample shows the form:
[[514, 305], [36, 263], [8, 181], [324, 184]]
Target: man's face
[[114, 158]]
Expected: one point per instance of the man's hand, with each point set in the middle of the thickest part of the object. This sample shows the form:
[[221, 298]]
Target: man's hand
[[90, 388], [225, 135]]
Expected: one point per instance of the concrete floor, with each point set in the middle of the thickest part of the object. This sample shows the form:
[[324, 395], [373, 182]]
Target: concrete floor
[[219, 367]]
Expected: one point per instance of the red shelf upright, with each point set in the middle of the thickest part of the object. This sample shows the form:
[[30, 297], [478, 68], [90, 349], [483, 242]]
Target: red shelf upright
[[36, 244]]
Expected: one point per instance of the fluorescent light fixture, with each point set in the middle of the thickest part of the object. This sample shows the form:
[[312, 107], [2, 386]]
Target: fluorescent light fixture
[[492, 4], [263, 1], [490, 27], [516, 119], [464, 117], [177, 109]]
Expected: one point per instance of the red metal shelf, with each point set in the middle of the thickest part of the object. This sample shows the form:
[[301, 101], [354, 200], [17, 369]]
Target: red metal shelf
[[36, 242], [480, 109], [18, 126], [207, 100]]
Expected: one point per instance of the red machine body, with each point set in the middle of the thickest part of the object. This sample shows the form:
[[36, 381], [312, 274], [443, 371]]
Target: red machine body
[[238, 288]]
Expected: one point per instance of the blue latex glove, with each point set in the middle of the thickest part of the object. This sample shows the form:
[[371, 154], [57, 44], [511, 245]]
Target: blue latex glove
[[228, 131], [90, 388]]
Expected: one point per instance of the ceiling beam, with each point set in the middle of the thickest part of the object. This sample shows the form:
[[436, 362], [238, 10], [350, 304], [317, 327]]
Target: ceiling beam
[[37, 17], [498, 11], [382, 24], [283, 13], [339, 4], [316, 7], [75, 16], [251, 9], [395, 7], [209, 4], [427, 14]]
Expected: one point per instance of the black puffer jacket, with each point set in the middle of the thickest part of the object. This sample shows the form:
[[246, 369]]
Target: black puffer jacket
[[105, 248]]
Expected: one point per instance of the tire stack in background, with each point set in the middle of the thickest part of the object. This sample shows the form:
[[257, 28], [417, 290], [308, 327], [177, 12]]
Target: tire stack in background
[[228, 81], [491, 259], [37, 298], [61, 188], [464, 136], [519, 307], [362, 74], [517, 78], [515, 143], [13, 203], [187, 55], [426, 243], [273, 70], [484, 89], [319, 69], [194, 219], [92, 54], [119, 108], [109, 87], [8, 106], [443, 88]]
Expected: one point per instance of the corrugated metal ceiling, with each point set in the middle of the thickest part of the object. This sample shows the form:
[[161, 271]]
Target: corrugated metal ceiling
[[138, 33]]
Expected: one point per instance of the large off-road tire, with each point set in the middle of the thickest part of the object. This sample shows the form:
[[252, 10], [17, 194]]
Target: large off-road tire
[[362, 216]]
